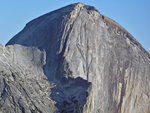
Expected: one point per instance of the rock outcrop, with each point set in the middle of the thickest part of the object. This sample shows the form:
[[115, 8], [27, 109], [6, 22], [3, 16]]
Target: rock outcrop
[[74, 60]]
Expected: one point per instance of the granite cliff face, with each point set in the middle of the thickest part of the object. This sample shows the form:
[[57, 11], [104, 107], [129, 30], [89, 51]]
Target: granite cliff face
[[74, 60]]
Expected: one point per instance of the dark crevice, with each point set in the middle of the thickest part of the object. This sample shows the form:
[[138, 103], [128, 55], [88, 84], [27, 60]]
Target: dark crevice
[[70, 94]]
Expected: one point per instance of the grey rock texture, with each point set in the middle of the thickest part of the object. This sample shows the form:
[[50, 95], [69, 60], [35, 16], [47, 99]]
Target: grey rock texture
[[74, 60], [23, 85]]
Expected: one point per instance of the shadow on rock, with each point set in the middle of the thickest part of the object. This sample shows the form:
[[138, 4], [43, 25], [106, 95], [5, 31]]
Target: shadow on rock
[[70, 94]]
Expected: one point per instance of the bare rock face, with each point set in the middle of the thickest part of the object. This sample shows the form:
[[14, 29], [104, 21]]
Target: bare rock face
[[23, 85], [74, 60]]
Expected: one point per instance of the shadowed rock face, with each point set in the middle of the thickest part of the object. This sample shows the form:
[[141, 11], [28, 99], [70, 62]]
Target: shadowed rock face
[[74, 60]]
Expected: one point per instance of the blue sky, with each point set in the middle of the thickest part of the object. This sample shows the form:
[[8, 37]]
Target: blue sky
[[133, 15]]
